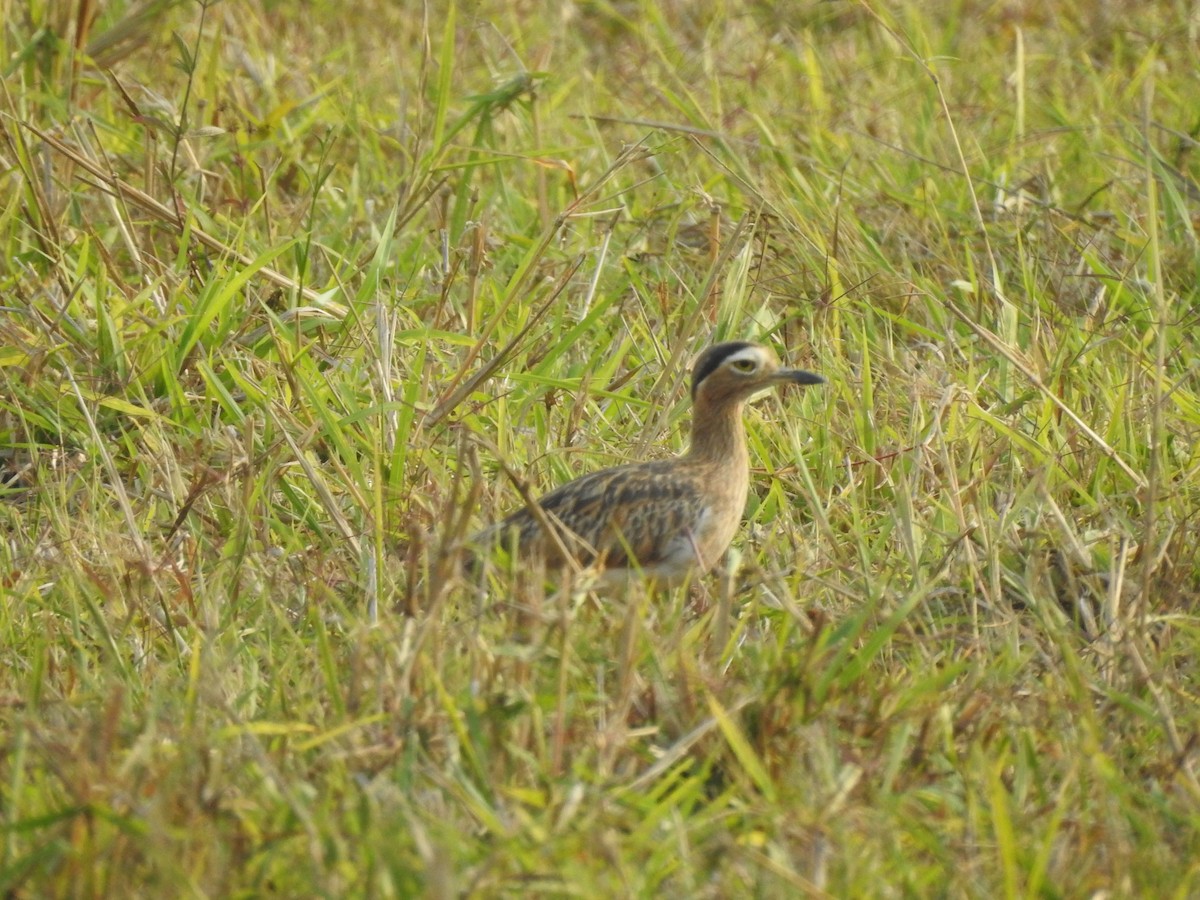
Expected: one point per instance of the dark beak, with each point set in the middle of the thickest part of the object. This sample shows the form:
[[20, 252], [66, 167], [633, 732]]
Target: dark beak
[[798, 376]]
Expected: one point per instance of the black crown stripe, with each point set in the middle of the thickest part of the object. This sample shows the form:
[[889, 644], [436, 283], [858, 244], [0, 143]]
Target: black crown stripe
[[711, 359]]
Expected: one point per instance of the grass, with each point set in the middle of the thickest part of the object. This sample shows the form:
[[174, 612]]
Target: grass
[[289, 289]]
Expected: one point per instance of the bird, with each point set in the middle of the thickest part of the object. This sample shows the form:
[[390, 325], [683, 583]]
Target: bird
[[664, 521]]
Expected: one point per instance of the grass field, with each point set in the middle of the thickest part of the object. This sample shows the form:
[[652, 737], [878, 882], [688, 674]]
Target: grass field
[[288, 290]]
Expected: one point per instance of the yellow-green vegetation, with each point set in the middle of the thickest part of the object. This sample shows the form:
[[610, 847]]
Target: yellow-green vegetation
[[293, 296]]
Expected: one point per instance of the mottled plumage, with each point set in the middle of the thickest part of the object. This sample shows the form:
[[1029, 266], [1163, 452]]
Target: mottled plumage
[[670, 518]]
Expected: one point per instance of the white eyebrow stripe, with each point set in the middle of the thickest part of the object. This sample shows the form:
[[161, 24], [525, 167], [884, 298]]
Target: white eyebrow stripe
[[750, 353]]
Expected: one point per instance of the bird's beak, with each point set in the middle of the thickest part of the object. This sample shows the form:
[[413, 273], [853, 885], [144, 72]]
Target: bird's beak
[[797, 376]]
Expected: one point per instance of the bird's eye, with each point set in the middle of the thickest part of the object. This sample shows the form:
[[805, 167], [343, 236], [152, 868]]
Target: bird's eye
[[744, 365]]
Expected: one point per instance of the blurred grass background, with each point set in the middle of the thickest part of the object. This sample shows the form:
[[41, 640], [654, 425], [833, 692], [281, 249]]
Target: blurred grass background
[[285, 284]]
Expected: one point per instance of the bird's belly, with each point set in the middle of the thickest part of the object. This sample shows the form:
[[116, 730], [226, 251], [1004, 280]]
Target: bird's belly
[[693, 550]]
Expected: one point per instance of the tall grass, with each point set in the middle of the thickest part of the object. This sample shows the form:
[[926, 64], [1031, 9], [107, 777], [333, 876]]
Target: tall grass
[[297, 296]]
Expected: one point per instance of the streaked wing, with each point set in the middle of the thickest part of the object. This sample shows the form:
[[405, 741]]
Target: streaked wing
[[644, 508]]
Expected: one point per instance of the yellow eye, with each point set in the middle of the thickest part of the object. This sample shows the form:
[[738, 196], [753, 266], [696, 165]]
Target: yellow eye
[[744, 365]]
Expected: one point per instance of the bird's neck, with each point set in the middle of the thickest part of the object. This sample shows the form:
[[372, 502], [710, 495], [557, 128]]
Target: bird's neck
[[718, 434]]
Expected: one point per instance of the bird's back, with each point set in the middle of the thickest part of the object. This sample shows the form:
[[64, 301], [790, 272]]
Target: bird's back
[[656, 517]]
